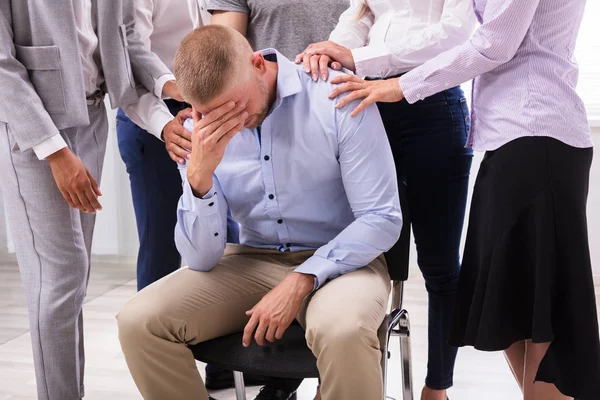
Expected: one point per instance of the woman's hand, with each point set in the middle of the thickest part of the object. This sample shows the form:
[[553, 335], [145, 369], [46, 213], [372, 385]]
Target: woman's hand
[[318, 56], [385, 91]]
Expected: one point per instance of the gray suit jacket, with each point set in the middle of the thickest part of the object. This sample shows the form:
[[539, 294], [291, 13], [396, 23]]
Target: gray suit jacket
[[41, 79]]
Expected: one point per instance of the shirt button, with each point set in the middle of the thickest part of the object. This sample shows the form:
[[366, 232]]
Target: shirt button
[[211, 204], [446, 84], [271, 197], [216, 234], [280, 221], [267, 158]]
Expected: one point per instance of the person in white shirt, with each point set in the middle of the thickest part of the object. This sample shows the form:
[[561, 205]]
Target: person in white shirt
[[141, 129], [383, 39]]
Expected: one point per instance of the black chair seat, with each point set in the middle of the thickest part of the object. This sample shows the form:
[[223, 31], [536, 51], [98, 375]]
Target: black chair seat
[[289, 357]]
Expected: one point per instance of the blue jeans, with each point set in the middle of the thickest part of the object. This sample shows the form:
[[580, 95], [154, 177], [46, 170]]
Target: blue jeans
[[427, 140], [155, 189]]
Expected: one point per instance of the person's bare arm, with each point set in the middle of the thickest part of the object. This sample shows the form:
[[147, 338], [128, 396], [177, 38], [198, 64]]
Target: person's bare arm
[[232, 19]]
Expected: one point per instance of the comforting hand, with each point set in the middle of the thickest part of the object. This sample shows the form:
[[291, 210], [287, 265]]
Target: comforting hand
[[210, 137], [170, 90], [76, 184], [178, 140], [318, 56], [385, 91], [274, 313]]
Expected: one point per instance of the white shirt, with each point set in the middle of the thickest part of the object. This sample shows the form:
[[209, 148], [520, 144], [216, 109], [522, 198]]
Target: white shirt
[[163, 24], [399, 35]]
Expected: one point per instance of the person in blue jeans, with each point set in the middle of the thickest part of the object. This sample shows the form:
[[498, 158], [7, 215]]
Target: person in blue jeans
[[382, 40]]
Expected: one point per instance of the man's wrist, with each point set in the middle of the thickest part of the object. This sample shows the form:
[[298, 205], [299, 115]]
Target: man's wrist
[[306, 282], [200, 184]]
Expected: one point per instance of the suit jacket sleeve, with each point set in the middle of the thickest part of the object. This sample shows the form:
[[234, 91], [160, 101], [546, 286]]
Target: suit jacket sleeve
[[147, 67], [20, 104]]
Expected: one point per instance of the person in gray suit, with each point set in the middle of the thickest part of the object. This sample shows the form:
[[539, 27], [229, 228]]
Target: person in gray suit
[[57, 61]]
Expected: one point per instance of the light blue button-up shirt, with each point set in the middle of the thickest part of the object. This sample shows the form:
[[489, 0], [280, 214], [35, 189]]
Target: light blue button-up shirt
[[312, 178]]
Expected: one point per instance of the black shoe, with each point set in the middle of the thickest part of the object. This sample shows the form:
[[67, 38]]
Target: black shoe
[[224, 380], [269, 393]]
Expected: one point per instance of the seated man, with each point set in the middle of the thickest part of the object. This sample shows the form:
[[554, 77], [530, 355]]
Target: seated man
[[315, 194]]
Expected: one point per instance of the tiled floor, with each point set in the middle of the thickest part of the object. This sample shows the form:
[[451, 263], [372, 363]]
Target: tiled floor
[[478, 375]]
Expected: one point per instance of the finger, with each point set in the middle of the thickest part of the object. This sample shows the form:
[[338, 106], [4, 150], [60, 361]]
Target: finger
[[271, 331], [299, 57], [224, 129], [323, 66], [361, 107], [357, 94], [178, 154], [215, 114], [345, 78], [180, 138], [83, 200], [184, 114], [336, 66], [261, 331], [314, 67], [95, 186], [280, 331], [92, 199], [346, 87], [249, 330], [215, 125], [306, 62]]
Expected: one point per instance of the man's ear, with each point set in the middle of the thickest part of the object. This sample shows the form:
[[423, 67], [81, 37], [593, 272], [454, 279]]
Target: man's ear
[[259, 62]]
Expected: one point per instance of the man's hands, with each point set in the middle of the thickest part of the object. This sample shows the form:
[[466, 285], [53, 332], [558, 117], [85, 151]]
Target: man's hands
[[210, 137], [77, 185], [170, 90], [318, 56], [274, 313], [178, 140]]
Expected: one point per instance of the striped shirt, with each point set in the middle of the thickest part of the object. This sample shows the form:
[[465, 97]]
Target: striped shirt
[[525, 73]]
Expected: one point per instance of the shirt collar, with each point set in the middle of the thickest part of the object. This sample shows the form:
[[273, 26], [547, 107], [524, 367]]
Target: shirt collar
[[288, 81]]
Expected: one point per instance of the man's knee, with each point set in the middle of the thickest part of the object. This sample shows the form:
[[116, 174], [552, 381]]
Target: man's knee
[[339, 336], [137, 317]]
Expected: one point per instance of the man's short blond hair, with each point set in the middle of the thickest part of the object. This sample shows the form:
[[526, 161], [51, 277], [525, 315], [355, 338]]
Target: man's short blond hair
[[207, 62]]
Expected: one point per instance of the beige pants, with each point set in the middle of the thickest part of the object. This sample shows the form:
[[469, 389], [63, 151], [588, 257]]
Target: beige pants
[[188, 307]]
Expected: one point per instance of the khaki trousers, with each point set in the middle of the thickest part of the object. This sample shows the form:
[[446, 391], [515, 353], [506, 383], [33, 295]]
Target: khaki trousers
[[187, 307]]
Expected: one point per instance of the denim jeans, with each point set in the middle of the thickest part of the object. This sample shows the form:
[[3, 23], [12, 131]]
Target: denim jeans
[[427, 139], [155, 189]]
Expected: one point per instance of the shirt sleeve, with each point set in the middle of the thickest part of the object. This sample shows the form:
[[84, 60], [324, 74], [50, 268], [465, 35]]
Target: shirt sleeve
[[495, 43], [49, 146], [149, 113], [228, 5], [369, 178], [201, 230], [422, 42], [350, 32]]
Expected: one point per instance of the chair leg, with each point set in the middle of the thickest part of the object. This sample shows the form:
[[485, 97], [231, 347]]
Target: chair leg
[[406, 359], [240, 387]]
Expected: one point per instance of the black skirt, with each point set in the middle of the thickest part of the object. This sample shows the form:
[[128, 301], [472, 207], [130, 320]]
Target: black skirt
[[526, 271]]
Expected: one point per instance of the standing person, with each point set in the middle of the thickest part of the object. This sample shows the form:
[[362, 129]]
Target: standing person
[[57, 61], [289, 26], [381, 40], [154, 177], [526, 281]]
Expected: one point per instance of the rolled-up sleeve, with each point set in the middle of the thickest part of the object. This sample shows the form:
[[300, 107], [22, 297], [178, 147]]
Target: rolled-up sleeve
[[369, 178], [495, 43]]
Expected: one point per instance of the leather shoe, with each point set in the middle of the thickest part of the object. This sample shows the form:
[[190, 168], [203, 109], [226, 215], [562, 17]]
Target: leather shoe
[[269, 393], [224, 380]]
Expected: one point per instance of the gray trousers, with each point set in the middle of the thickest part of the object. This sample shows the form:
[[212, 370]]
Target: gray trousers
[[53, 243]]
